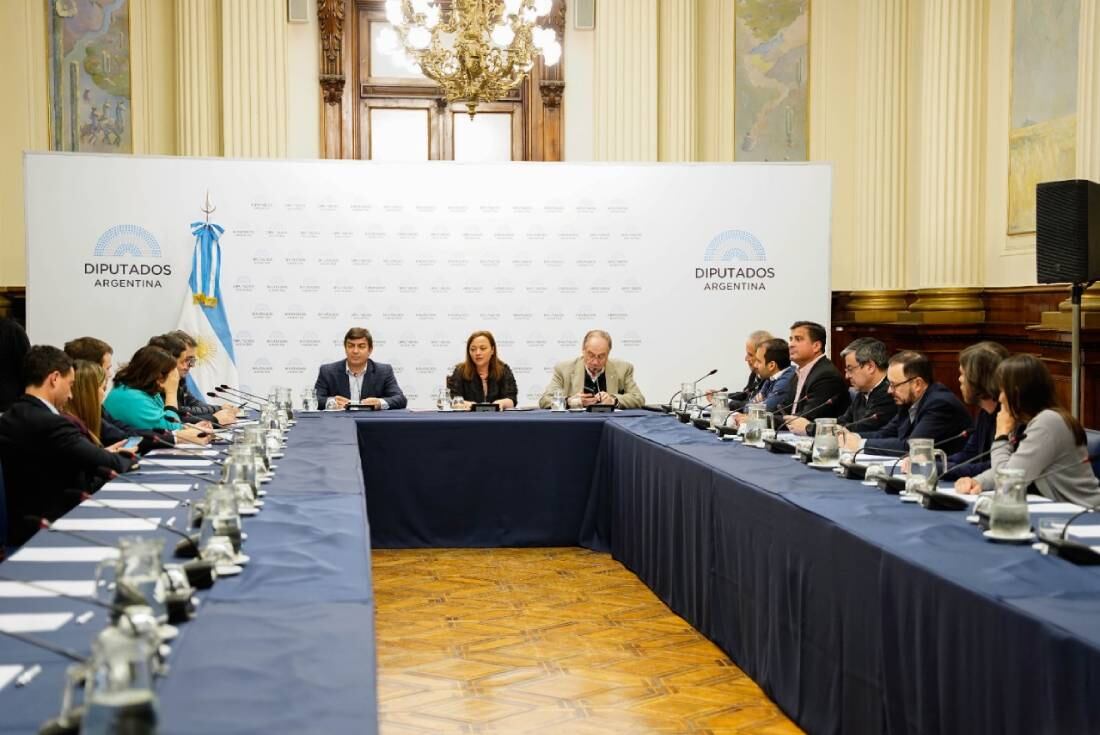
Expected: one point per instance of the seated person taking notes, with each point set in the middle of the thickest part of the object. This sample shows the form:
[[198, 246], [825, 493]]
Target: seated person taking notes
[[371, 383], [773, 367], [594, 377], [482, 377]]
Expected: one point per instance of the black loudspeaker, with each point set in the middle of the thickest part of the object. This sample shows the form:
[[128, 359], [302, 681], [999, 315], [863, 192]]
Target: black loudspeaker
[[1067, 231]]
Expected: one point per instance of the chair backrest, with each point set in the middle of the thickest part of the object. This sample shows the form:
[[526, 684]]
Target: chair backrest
[[1092, 440]]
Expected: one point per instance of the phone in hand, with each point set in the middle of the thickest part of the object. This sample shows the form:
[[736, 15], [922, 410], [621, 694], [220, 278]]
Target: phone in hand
[[132, 443]]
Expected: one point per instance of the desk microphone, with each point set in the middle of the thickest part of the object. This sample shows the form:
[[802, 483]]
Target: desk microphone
[[712, 372], [118, 610], [39, 643], [200, 573], [243, 401], [229, 389], [810, 411], [157, 441]]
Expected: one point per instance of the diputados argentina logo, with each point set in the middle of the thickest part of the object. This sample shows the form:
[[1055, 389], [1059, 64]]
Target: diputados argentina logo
[[735, 246], [121, 254]]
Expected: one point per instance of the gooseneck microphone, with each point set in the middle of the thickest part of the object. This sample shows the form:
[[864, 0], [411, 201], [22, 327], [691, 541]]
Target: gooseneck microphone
[[701, 379], [233, 403], [809, 412], [116, 609], [112, 475], [237, 391], [863, 420], [243, 401], [86, 497]]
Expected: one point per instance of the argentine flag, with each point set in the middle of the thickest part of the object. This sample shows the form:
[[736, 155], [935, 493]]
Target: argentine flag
[[203, 314]]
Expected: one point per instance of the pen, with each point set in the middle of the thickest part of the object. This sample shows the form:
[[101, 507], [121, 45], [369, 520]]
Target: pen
[[28, 676]]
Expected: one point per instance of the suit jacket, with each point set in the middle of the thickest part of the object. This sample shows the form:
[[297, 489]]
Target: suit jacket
[[471, 389], [878, 401], [14, 346], [569, 379], [939, 415], [823, 383], [44, 455], [191, 409], [738, 399], [378, 382], [771, 392]]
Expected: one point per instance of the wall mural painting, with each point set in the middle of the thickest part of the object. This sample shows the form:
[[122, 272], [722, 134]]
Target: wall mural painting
[[89, 75], [772, 80], [1042, 141]]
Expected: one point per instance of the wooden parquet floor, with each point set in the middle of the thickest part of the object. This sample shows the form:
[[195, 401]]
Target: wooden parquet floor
[[546, 641]]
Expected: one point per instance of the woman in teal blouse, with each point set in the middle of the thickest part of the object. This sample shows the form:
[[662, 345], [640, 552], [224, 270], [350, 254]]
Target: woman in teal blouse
[[144, 395]]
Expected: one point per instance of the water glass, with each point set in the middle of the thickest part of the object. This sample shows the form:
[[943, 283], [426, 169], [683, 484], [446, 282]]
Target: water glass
[[309, 399], [687, 394], [557, 400], [719, 409], [873, 473], [330, 403]]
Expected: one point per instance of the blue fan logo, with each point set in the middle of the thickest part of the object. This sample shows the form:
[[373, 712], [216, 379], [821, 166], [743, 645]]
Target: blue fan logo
[[734, 245], [127, 240]]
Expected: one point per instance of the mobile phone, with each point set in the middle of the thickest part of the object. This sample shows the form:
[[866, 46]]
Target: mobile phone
[[132, 443]]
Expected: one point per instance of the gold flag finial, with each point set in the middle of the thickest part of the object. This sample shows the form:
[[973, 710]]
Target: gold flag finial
[[208, 208]]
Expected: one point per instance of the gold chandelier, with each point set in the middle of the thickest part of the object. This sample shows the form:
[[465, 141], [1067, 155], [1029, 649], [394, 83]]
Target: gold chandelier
[[482, 49]]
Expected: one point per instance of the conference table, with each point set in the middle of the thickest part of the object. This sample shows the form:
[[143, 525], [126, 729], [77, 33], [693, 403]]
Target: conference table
[[855, 612]]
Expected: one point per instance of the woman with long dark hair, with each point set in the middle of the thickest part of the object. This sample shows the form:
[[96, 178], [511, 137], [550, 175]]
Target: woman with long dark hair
[[144, 395], [483, 377], [1035, 434]]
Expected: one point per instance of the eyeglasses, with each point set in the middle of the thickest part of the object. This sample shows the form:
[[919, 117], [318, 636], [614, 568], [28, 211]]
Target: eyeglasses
[[895, 386], [849, 369], [190, 362]]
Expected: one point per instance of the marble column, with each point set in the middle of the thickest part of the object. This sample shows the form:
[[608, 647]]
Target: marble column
[[626, 81], [677, 79], [198, 78], [254, 78]]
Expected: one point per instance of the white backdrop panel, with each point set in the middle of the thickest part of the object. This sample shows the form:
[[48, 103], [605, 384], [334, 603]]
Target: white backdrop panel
[[677, 262]]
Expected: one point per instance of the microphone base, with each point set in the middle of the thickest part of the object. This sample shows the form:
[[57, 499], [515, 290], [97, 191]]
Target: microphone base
[[701, 424], [1071, 551], [485, 407], [942, 501], [69, 726], [805, 457], [892, 485], [200, 574], [600, 408], [778, 446], [853, 470], [187, 548], [683, 416]]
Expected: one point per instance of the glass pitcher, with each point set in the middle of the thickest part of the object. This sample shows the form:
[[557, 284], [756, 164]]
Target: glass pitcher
[[687, 395], [757, 420], [719, 409], [923, 468], [220, 518], [826, 446], [241, 469], [118, 686], [309, 399], [1008, 514], [137, 576]]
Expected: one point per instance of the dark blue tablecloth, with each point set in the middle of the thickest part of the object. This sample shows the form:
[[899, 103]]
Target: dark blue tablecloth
[[517, 478], [286, 646], [855, 612]]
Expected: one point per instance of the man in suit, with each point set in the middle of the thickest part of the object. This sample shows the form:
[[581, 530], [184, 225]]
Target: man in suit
[[817, 390], [44, 455], [371, 383], [926, 410], [773, 367], [872, 406], [594, 377]]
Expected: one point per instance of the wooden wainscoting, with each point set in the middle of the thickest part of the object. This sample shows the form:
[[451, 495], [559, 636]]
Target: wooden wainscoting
[[1011, 316]]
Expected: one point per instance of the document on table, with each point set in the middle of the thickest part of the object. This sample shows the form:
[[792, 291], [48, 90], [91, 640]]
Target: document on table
[[106, 524], [33, 622], [8, 674], [119, 486], [184, 453], [1045, 506], [131, 504], [75, 587], [197, 462], [92, 554]]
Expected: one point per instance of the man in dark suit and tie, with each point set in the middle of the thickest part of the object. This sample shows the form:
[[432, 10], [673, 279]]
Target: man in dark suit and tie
[[926, 410], [44, 455], [816, 390], [872, 406], [358, 379]]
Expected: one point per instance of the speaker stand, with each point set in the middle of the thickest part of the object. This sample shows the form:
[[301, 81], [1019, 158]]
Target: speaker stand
[[1076, 290]]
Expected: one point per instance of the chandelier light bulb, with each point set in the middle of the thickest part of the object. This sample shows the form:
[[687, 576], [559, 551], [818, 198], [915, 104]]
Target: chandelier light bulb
[[421, 6], [511, 7], [528, 15], [419, 37], [394, 13], [542, 7], [543, 37], [431, 18], [552, 53], [502, 35]]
